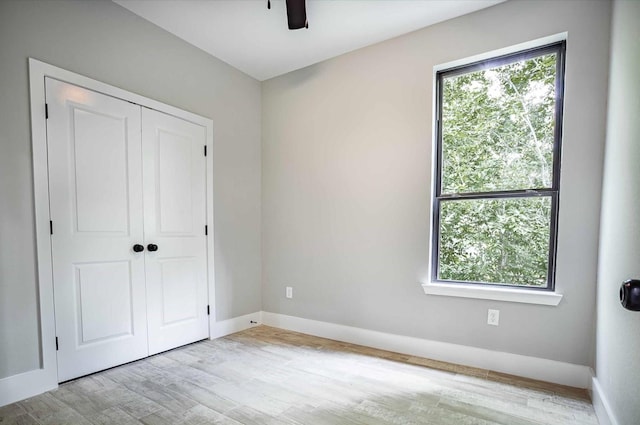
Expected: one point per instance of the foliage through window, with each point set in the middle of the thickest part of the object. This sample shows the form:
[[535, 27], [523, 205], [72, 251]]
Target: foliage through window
[[497, 170]]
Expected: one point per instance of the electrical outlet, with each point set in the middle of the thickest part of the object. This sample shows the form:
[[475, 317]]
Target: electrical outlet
[[289, 292], [493, 317]]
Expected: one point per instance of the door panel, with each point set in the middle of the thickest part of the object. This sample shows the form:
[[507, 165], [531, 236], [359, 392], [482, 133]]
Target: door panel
[[100, 171], [104, 301], [179, 289], [175, 218], [173, 179], [94, 148]]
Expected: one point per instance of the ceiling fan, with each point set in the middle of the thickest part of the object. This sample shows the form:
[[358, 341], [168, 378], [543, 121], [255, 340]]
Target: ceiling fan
[[296, 14]]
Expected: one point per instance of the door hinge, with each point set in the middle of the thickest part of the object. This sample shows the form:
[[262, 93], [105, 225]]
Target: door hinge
[[206, 230], [56, 343], [50, 227], [205, 150], [208, 311], [46, 111]]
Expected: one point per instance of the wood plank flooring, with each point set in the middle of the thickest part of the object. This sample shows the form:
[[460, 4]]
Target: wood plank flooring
[[269, 376]]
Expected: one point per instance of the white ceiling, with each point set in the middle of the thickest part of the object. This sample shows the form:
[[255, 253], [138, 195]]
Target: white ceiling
[[248, 36]]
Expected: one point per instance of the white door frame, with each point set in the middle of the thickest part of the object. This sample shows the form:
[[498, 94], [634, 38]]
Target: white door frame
[[34, 382]]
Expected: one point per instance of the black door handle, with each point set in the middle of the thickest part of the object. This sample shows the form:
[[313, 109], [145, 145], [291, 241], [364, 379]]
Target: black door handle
[[152, 247], [630, 294], [138, 248]]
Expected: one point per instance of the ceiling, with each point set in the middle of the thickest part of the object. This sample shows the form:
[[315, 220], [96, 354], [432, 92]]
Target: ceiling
[[248, 36]]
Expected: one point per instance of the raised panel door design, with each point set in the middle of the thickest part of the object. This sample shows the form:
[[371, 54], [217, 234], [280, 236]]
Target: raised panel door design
[[100, 171], [104, 301], [175, 218], [173, 177], [95, 184], [179, 288]]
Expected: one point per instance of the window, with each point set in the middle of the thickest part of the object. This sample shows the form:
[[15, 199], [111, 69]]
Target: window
[[497, 170]]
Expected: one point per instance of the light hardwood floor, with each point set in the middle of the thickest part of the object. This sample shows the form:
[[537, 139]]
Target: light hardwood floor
[[269, 376]]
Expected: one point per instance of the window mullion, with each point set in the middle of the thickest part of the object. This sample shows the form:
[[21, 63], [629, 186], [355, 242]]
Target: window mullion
[[498, 195]]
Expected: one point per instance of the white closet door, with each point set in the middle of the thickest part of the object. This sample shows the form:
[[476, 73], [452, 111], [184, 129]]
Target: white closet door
[[94, 144], [174, 221]]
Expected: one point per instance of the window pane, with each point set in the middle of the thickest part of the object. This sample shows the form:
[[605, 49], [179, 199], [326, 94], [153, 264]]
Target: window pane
[[498, 127], [500, 241]]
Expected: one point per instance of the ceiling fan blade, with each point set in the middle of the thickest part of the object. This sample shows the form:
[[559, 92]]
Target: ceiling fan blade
[[297, 14]]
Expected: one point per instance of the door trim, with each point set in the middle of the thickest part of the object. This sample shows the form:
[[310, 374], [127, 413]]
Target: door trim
[[46, 378]]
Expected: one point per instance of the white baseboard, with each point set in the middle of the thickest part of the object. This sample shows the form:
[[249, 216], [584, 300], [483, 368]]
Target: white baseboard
[[601, 405], [24, 385], [233, 325], [529, 367]]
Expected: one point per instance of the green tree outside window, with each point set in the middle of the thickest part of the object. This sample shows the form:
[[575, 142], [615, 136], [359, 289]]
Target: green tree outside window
[[497, 170]]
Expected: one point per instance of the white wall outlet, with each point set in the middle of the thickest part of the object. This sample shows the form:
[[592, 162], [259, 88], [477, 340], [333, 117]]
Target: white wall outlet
[[289, 292], [493, 317]]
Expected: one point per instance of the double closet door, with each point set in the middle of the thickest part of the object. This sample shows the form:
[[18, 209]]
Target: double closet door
[[128, 210]]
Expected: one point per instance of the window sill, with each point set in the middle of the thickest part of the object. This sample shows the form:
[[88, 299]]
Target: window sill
[[493, 293]]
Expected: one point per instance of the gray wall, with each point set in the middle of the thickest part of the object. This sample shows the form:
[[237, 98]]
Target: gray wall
[[104, 41], [346, 160], [618, 330]]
